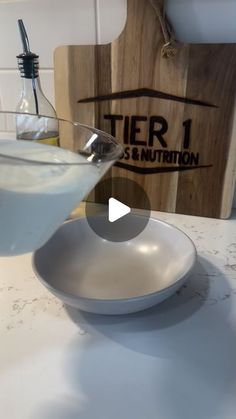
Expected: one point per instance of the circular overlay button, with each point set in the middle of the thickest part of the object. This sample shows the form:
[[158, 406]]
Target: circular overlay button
[[119, 221]]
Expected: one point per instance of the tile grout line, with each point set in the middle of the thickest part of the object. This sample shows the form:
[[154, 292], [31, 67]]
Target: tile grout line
[[14, 70], [97, 21]]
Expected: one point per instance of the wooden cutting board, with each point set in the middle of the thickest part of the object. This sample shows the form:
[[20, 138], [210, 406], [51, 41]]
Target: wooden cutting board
[[175, 117]]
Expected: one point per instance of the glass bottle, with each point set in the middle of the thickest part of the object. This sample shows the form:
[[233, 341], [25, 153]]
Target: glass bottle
[[33, 101]]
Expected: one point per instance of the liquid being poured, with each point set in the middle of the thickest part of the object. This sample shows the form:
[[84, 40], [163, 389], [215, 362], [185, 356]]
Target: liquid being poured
[[35, 199]]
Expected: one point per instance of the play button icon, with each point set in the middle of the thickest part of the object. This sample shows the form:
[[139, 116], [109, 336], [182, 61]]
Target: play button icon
[[117, 210], [119, 218]]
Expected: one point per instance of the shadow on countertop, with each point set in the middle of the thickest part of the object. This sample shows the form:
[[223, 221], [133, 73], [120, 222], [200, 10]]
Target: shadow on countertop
[[173, 361]]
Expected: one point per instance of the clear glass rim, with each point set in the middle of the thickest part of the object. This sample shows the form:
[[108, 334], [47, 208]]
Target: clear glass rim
[[110, 157]]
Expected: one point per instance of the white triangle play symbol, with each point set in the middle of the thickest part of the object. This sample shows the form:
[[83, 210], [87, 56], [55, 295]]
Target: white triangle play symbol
[[117, 210]]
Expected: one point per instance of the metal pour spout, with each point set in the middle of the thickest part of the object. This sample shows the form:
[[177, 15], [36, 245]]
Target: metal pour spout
[[24, 37]]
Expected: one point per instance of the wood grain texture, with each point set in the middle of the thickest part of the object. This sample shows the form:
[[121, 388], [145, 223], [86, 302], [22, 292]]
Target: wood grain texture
[[197, 72]]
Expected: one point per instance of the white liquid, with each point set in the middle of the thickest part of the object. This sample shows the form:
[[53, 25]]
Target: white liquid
[[36, 199]]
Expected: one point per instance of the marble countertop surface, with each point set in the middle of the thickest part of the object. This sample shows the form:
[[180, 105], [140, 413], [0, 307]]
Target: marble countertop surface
[[174, 361]]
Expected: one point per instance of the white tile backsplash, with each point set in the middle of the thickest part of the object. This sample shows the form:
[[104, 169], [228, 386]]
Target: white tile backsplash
[[49, 23], [76, 22], [10, 84], [203, 20], [110, 19]]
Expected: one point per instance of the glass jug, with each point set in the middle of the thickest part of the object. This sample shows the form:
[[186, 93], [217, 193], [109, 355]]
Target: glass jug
[[41, 184]]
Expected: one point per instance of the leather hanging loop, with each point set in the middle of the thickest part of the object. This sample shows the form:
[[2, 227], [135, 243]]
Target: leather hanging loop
[[170, 46]]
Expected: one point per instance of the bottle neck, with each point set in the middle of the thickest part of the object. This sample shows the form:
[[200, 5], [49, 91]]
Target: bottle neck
[[29, 85], [31, 88]]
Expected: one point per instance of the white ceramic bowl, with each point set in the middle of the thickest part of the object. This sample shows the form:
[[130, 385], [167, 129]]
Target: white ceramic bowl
[[98, 276]]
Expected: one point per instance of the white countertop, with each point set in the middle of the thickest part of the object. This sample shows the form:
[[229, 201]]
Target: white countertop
[[174, 361]]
